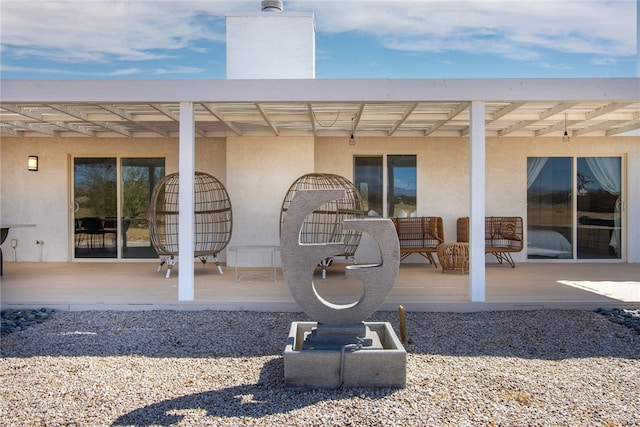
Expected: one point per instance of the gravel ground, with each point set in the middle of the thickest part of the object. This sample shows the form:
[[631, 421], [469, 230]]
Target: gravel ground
[[518, 368]]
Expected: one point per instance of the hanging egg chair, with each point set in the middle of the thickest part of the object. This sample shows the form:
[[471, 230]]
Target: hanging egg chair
[[324, 225], [212, 219]]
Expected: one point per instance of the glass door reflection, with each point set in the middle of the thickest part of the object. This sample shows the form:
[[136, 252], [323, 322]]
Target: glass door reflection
[[599, 213], [138, 177], [94, 190]]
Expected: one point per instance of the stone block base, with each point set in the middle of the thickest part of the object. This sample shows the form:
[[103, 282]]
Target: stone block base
[[383, 364]]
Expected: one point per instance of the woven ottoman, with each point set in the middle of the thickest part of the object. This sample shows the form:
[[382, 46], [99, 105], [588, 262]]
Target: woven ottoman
[[454, 257]]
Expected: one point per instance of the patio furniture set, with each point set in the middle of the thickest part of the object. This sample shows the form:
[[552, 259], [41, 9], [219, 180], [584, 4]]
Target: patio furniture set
[[425, 236], [416, 235], [92, 231]]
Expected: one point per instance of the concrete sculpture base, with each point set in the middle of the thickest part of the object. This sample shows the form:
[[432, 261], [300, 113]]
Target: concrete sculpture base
[[377, 360]]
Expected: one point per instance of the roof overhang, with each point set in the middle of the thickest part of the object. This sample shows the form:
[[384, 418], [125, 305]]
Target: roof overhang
[[290, 107]]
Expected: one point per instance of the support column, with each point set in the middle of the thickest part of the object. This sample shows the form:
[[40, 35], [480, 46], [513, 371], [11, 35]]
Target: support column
[[186, 200], [477, 190]]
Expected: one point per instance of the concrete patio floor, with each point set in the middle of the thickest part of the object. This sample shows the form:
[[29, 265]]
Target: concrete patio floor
[[419, 287]]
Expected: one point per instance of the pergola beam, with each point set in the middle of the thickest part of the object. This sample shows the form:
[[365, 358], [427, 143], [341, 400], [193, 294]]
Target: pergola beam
[[514, 127], [558, 109], [211, 108], [358, 117], [405, 115], [622, 129], [266, 118], [9, 129], [606, 109], [35, 127], [600, 126], [26, 112], [127, 116], [74, 112], [312, 118], [506, 110]]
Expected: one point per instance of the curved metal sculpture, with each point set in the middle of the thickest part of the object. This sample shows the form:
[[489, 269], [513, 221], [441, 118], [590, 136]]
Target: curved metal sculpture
[[212, 219], [325, 224]]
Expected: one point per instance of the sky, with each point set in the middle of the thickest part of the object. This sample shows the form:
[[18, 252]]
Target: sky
[[157, 39]]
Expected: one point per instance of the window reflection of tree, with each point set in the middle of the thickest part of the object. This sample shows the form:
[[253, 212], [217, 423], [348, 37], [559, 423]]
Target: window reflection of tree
[[95, 187]]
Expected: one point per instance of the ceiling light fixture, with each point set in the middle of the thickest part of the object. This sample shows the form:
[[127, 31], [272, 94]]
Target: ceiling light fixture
[[352, 140], [565, 137]]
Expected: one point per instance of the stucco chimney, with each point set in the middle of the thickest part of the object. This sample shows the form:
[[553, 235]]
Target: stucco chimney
[[271, 44]]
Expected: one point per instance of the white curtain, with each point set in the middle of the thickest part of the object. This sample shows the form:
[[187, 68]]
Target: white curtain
[[534, 166], [606, 170]]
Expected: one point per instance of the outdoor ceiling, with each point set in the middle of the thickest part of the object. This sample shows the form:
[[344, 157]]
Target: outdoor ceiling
[[381, 119], [374, 108]]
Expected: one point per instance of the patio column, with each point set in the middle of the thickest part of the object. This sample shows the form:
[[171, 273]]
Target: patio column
[[186, 153], [477, 190]]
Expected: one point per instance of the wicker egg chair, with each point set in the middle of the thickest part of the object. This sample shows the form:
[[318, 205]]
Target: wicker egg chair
[[212, 223], [324, 225]]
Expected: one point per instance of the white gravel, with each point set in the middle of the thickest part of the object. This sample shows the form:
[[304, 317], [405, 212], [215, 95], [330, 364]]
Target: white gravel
[[524, 368]]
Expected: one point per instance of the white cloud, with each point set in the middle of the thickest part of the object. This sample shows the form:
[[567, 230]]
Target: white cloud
[[103, 31], [178, 70], [570, 26], [100, 31], [67, 72]]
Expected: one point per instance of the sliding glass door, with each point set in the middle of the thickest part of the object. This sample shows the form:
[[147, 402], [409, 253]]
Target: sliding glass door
[[111, 201], [95, 207], [574, 208], [138, 177], [599, 215]]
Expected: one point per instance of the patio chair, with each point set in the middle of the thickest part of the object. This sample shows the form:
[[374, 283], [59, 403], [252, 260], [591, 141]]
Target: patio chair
[[213, 219], [420, 235], [79, 231], [324, 225], [503, 235], [110, 227], [93, 228]]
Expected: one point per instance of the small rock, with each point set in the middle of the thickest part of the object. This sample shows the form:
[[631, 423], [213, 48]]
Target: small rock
[[16, 320]]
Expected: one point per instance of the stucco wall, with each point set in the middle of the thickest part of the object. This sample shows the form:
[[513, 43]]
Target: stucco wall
[[260, 171], [257, 172], [42, 197]]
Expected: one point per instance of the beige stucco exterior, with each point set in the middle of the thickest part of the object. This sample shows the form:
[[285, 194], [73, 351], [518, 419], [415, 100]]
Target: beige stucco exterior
[[257, 172], [43, 197]]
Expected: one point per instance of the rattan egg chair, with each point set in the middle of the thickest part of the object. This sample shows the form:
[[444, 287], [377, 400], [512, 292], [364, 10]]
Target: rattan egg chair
[[324, 225], [212, 220]]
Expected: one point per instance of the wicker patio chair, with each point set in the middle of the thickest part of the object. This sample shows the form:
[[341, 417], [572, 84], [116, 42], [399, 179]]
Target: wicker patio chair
[[324, 225], [502, 236], [212, 220], [420, 235]]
